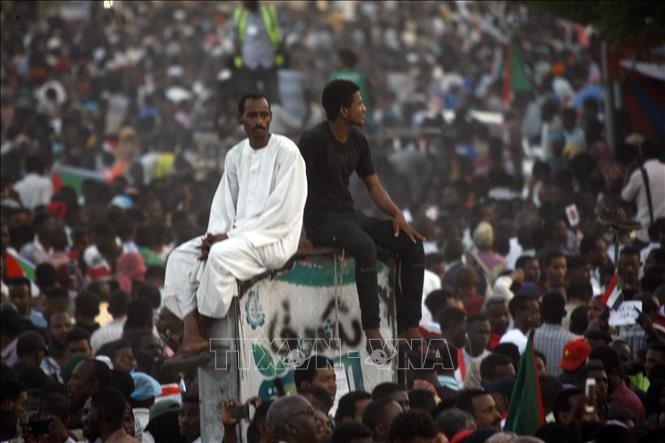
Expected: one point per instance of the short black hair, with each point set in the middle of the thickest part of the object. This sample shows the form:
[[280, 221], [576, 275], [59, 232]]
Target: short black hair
[[595, 334], [465, 399], [101, 372], [346, 407], [453, 420], [523, 260], [385, 390], [338, 93], [509, 350], [77, 334], [519, 302], [550, 388], [579, 320], [436, 300], [422, 399], [118, 303], [347, 432], [10, 321], [374, 410], [87, 304], [550, 255], [553, 307], [450, 317], [629, 250], [657, 347], [453, 249], [412, 424], [139, 314], [17, 281], [588, 243], [110, 401], [242, 102], [123, 382], [34, 163], [490, 365], [306, 371], [579, 290], [653, 147], [45, 276], [111, 348], [150, 293], [608, 356], [475, 318], [562, 402]]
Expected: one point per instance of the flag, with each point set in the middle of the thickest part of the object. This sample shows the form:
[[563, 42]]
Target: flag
[[515, 78], [18, 266], [525, 412], [74, 177], [613, 296]]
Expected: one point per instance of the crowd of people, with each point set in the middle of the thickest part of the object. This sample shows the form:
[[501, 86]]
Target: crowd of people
[[102, 179]]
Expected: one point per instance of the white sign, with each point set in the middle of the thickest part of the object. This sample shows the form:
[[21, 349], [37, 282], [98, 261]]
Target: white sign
[[626, 314]]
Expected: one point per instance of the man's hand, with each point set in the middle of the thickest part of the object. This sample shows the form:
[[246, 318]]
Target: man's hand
[[225, 413], [400, 224], [517, 276], [208, 241], [644, 321]]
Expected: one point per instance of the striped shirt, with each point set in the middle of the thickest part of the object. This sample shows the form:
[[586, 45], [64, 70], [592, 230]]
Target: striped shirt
[[550, 339]]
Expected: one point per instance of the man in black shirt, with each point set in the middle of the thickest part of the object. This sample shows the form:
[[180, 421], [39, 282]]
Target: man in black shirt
[[332, 151]]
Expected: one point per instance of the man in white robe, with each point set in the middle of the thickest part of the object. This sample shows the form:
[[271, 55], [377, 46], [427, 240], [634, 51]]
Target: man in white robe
[[255, 223]]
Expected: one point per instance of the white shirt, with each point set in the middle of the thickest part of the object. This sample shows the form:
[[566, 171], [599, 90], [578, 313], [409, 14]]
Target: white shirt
[[636, 191], [106, 334], [252, 196], [34, 190], [431, 282], [516, 337]]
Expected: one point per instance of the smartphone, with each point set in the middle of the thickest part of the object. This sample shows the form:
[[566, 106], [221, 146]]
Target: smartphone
[[240, 411], [39, 427], [590, 394]]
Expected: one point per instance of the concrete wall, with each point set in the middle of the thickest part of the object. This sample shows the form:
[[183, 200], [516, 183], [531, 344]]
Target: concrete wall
[[280, 319]]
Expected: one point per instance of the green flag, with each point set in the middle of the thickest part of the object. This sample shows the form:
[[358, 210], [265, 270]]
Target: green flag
[[73, 177], [525, 412]]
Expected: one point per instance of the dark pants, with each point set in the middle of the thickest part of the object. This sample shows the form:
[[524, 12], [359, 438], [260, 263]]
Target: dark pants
[[359, 236]]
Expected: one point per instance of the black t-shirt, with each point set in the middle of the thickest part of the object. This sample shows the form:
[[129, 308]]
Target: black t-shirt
[[329, 167]]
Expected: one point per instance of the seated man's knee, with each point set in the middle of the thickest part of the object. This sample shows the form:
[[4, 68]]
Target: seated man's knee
[[415, 254], [216, 251], [364, 251]]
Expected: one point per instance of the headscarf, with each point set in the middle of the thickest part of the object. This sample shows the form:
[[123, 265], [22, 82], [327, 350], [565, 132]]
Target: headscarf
[[131, 268]]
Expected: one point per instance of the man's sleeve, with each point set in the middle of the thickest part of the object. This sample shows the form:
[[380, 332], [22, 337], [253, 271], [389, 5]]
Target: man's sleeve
[[630, 191], [365, 166], [308, 150], [223, 207]]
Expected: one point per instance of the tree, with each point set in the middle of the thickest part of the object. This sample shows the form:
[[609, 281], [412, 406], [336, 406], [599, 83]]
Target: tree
[[614, 20]]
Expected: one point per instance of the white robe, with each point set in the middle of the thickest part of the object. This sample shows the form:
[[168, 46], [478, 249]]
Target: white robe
[[259, 204]]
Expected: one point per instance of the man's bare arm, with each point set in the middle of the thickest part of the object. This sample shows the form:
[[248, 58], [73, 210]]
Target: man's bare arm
[[383, 201]]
